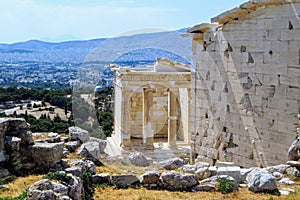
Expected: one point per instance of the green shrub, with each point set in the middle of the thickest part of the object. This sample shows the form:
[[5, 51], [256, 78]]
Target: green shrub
[[57, 176], [88, 185], [101, 186], [225, 185]]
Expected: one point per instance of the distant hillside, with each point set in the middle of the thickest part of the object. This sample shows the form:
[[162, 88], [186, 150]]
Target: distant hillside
[[136, 47]]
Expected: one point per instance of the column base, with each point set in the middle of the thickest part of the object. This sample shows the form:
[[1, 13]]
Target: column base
[[148, 143]]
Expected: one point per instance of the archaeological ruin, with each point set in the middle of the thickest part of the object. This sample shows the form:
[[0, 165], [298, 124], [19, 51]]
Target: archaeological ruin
[[152, 105], [245, 91]]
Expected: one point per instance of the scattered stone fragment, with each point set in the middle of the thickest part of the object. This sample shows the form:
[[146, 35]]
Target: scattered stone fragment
[[260, 180], [47, 153], [293, 152], [125, 180], [286, 181], [79, 134], [173, 163], [277, 175], [293, 171], [204, 188], [75, 170], [277, 168], [72, 145], [234, 172], [203, 173], [138, 159], [101, 179], [175, 181], [293, 163]]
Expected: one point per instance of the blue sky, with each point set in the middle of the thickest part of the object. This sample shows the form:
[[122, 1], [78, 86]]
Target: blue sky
[[59, 20]]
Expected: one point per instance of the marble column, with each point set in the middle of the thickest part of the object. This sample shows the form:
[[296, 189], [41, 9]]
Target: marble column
[[172, 119], [148, 136], [125, 138]]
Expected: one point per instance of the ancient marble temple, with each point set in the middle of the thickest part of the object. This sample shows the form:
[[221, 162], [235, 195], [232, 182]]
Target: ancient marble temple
[[152, 105]]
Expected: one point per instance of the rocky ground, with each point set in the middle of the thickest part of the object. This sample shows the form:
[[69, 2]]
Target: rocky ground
[[79, 169]]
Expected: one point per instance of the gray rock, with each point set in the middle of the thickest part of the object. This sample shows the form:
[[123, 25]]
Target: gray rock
[[60, 189], [45, 189], [260, 180], [12, 143], [4, 173], [44, 184], [47, 153], [138, 159], [176, 181], [293, 171], [72, 145], [201, 165], [75, 170], [102, 143], [203, 173], [90, 150], [293, 163], [284, 192], [75, 188], [188, 169], [277, 175], [286, 181], [125, 180], [2, 156], [150, 177], [53, 139], [79, 134], [204, 188], [293, 152], [234, 172], [85, 164], [173, 163], [101, 179], [42, 195], [244, 174], [277, 168]]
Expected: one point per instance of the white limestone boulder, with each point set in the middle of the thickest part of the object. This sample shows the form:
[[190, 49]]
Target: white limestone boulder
[[260, 180], [293, 152], [172, 164], [234, 172], [47, 153], [138, 159], [76, 133], [125, 180], [176, 181]]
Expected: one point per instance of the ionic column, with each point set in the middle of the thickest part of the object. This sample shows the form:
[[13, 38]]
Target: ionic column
[[172, 119], [125, 137], [147, 121]]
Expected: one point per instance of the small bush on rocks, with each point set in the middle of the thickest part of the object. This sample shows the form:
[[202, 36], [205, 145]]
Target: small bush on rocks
[[57, 176], [225, 185]]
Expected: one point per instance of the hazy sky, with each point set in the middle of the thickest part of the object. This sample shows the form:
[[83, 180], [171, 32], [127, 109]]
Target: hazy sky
[[58, 20]]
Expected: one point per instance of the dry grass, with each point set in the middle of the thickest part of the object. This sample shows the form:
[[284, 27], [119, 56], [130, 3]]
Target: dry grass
[[110, 193], [18, 186]]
